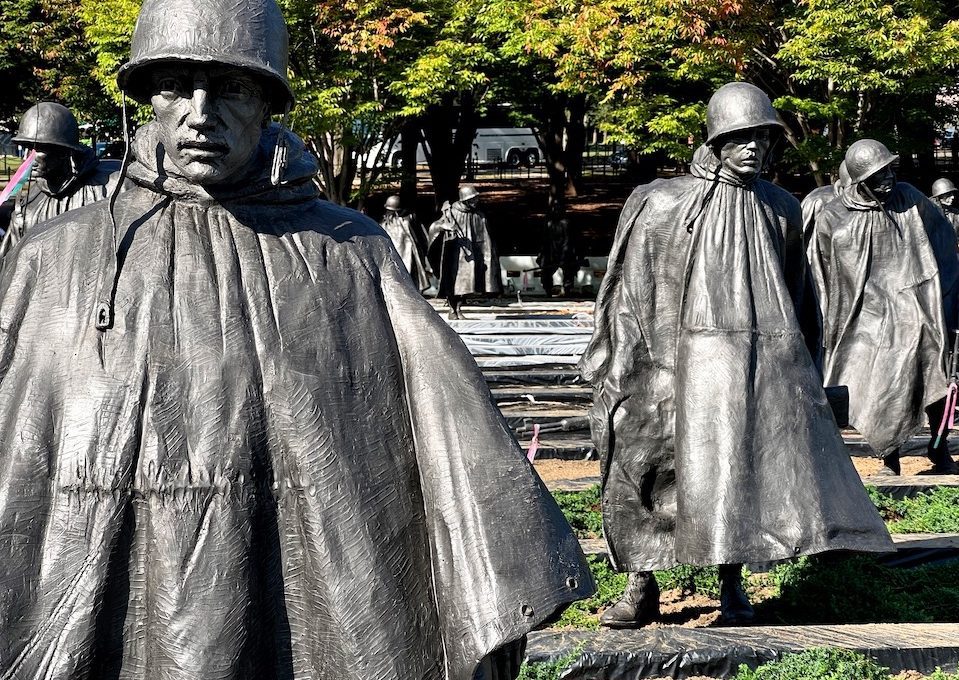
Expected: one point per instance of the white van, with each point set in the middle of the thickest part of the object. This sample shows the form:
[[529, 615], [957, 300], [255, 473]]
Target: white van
[[513, 147]]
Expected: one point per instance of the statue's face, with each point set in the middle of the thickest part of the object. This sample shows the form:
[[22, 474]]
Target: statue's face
[[52, 164], [949, 200], [882, 183], [743, 153], [210, 119]]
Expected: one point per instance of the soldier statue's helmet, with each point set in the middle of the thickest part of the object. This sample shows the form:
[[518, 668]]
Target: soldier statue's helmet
[[249, 34], [467, 192], [738, 106], [392, 203], [50, 124], [867, 157], [943, 187]]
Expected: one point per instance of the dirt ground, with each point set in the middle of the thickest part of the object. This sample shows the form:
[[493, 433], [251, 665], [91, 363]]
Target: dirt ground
[[554, 470]]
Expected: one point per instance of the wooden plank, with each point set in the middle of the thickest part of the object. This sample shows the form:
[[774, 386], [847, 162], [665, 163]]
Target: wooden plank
[[677, 652]]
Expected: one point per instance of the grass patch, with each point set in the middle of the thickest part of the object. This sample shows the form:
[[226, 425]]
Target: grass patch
[[932, 512], [583, 510], [834, 589], [817, 664], [826, 664], [548, 670]]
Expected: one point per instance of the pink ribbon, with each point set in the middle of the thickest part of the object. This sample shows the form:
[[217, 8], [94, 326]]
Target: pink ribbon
[[948, 413], [19, 177], [533, 445]]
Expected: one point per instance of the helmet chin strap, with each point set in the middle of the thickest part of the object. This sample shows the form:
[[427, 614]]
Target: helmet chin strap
[[280, 151], [872, 196]]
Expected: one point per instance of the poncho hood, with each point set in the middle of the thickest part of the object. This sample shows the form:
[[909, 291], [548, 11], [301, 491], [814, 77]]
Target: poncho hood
[[152, 168]]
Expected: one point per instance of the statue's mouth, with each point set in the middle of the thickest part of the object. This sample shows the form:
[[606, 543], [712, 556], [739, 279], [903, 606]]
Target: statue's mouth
[[198, 148]]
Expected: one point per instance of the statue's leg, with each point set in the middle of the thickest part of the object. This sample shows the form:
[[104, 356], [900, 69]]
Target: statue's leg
[[939, 455], [734, 605], [454, 302], [890, 464], [639, 604]]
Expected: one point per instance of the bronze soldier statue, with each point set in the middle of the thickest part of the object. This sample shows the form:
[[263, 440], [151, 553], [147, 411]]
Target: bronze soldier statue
[[559, 251], [888, 277], [944, 194], [235, 440], [463, 254], [67, 174], [408, 238], [717, 442]]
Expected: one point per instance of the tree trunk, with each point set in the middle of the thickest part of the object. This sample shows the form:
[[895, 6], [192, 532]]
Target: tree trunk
[[575, 145], [449, 131], [409, 141]]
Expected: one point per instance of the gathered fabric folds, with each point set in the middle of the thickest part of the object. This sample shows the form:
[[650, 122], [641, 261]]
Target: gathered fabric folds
[[888, 285], [717, 442], [408, 237], [263, 469]]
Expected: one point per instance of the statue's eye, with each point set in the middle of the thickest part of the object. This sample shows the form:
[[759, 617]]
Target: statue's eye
[[167, 85], [235, 87]]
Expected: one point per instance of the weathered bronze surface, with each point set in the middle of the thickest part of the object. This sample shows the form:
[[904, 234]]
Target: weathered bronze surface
[[718, 445], [409, 239], [945, 196], [887, 276], [275, 460]]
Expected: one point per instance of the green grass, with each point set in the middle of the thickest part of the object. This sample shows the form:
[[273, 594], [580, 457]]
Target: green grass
[[583, 511], [817, 664], [812, 664], [832, 589], [934, 512], [548, 670], [825, 664]]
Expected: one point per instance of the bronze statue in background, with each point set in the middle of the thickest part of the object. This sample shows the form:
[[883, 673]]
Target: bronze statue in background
[[462, 253], [717, 443], [887, 274], [945, 196], [235, 440], [409, 240], [559, 250], [67, 174]]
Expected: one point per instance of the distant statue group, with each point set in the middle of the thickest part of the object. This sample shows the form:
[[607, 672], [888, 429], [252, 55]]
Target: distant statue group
[[236, 442]]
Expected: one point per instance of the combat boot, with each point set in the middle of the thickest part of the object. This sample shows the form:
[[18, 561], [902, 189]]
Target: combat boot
[[734, 606], [942, 463], [890, 465], [638, 606]]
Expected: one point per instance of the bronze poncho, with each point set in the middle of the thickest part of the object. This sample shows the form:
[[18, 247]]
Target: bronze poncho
[[464, 260], [717, 442], [279, 462], [888, 283], [407, 237]]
